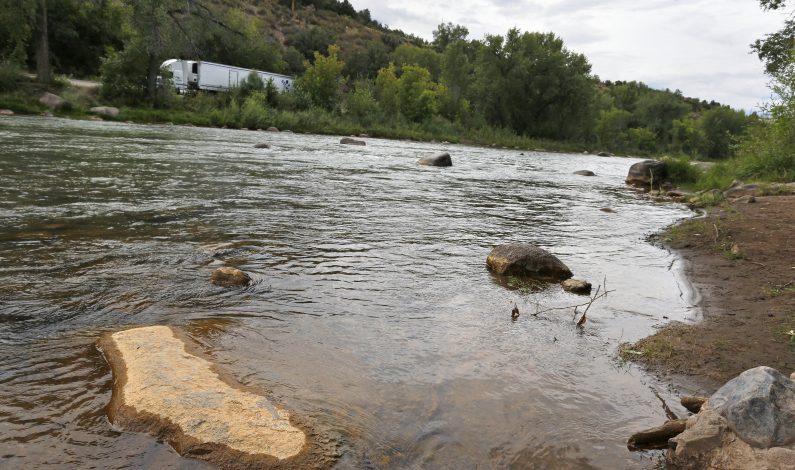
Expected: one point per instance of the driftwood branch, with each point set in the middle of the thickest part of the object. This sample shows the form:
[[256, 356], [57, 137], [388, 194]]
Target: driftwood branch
[[656, 438], [569, 307]]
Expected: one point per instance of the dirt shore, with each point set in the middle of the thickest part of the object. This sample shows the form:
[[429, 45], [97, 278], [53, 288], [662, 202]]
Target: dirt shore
[[742, 259]]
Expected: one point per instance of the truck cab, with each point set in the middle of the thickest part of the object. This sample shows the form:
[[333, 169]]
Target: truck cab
[[184, 73]]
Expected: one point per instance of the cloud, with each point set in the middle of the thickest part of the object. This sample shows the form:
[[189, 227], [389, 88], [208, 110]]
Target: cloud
[[700, 46]]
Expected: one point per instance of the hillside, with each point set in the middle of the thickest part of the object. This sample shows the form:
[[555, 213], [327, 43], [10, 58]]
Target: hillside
[[504, 88]]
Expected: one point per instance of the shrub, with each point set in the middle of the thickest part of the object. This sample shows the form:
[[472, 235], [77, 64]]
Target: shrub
[[681, 171], [10, 76]]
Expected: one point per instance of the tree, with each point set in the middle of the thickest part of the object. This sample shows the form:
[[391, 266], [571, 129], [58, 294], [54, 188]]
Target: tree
[[688, 138], [407, 54], [419, 99], [532, 84], [309, 41], [323, 78], [448, 33], [611, 128], [776, 48], [16, 28], [43, 71], [365, 63], [722, 127], [656, 111], [387, 90]]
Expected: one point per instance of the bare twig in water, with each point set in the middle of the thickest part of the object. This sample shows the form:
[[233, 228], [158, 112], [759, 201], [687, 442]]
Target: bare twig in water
[[568, 307], [668, 411]]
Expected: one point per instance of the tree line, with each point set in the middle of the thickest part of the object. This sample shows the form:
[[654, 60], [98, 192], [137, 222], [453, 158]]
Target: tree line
[[528, 83]]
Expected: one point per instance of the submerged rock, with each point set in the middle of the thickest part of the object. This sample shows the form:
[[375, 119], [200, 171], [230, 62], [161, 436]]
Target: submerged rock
[[272, 129], [440, 159], [230, 277], [646, 172], [576, 286], [350, 141], [160, 387], [585, 173], [262, 145], [522, 259]]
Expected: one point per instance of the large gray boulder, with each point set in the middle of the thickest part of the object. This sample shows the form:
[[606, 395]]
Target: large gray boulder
[[759, 405], [440, 159], [646, 173], [522, 259], [50, 100]]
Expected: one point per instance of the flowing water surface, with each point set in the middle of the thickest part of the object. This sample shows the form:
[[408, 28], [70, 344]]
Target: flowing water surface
[[371, 314]]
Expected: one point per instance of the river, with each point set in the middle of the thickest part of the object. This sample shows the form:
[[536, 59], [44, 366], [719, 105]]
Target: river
[[371, 314]]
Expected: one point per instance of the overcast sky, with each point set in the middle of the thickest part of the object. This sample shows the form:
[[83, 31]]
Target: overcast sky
[[697, 46]]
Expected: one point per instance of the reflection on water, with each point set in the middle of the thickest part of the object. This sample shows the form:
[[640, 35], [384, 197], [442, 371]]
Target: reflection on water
[[371, 312]]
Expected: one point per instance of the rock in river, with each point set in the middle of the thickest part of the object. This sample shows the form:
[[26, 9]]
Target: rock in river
[[646, 172], [522, 259], [440, 159], [229, 277], [262, 145], [585, 173], [576, 286], [163, 388], [350, 141]]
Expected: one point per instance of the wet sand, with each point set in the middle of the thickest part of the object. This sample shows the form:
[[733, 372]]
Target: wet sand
[[748, 295]]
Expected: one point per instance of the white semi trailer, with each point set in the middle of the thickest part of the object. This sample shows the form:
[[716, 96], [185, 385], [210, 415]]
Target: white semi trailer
[[203, 75]]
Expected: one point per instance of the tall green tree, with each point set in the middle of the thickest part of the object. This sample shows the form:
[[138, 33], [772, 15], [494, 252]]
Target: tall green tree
[[532, 84], [323, 79], [387, 90], [447, 34]]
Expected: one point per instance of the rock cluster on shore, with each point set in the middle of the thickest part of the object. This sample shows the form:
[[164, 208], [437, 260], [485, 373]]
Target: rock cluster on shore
[[749, 423]]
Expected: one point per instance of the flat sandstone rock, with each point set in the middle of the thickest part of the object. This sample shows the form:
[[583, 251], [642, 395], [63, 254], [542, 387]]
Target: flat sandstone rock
[[163, 389]]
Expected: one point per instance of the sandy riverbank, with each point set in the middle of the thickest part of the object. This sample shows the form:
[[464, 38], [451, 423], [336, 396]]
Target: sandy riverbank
[[742, 259]]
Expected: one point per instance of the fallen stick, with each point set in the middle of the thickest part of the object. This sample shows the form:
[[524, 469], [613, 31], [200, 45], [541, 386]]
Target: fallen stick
[[656, 438]]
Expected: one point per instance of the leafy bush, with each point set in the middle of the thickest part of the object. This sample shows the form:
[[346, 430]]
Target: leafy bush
[[681, 171], [10, 76], [253, 114]]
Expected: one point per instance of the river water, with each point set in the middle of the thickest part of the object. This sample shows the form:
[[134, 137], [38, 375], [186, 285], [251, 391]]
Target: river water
[[371, 315]]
